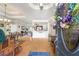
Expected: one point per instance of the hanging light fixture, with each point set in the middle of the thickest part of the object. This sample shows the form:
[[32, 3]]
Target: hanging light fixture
[[41, 6], [4, 19]]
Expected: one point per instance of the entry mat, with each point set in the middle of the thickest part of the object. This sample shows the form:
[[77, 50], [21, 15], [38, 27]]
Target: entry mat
[[38, 54]]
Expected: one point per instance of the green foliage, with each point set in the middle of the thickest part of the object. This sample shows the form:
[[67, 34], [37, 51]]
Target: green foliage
[[76, 10]]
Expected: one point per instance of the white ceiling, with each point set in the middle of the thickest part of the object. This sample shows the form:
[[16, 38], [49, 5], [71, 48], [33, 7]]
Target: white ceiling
[[22, 13]]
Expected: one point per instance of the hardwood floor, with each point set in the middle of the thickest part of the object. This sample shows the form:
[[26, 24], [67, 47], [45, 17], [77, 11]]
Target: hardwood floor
[[35, 45]]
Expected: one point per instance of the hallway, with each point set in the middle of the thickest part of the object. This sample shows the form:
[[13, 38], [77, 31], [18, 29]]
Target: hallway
[[27, 27]]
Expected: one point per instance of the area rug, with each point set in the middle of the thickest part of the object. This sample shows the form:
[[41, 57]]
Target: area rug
[[38, 54]]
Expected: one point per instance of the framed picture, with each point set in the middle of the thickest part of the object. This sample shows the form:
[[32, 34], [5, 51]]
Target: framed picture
[[39, 28]]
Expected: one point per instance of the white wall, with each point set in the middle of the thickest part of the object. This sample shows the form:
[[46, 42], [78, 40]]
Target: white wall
[[52, 31], [43, 34], [40, 35]]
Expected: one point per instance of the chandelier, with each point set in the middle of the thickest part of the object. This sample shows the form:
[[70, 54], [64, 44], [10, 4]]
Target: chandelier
[[41, 6]]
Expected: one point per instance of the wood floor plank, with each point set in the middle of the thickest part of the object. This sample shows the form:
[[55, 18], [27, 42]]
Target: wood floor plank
[[35, 45]]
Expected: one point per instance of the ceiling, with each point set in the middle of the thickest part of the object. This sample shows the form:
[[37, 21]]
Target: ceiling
[[23, 13]]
